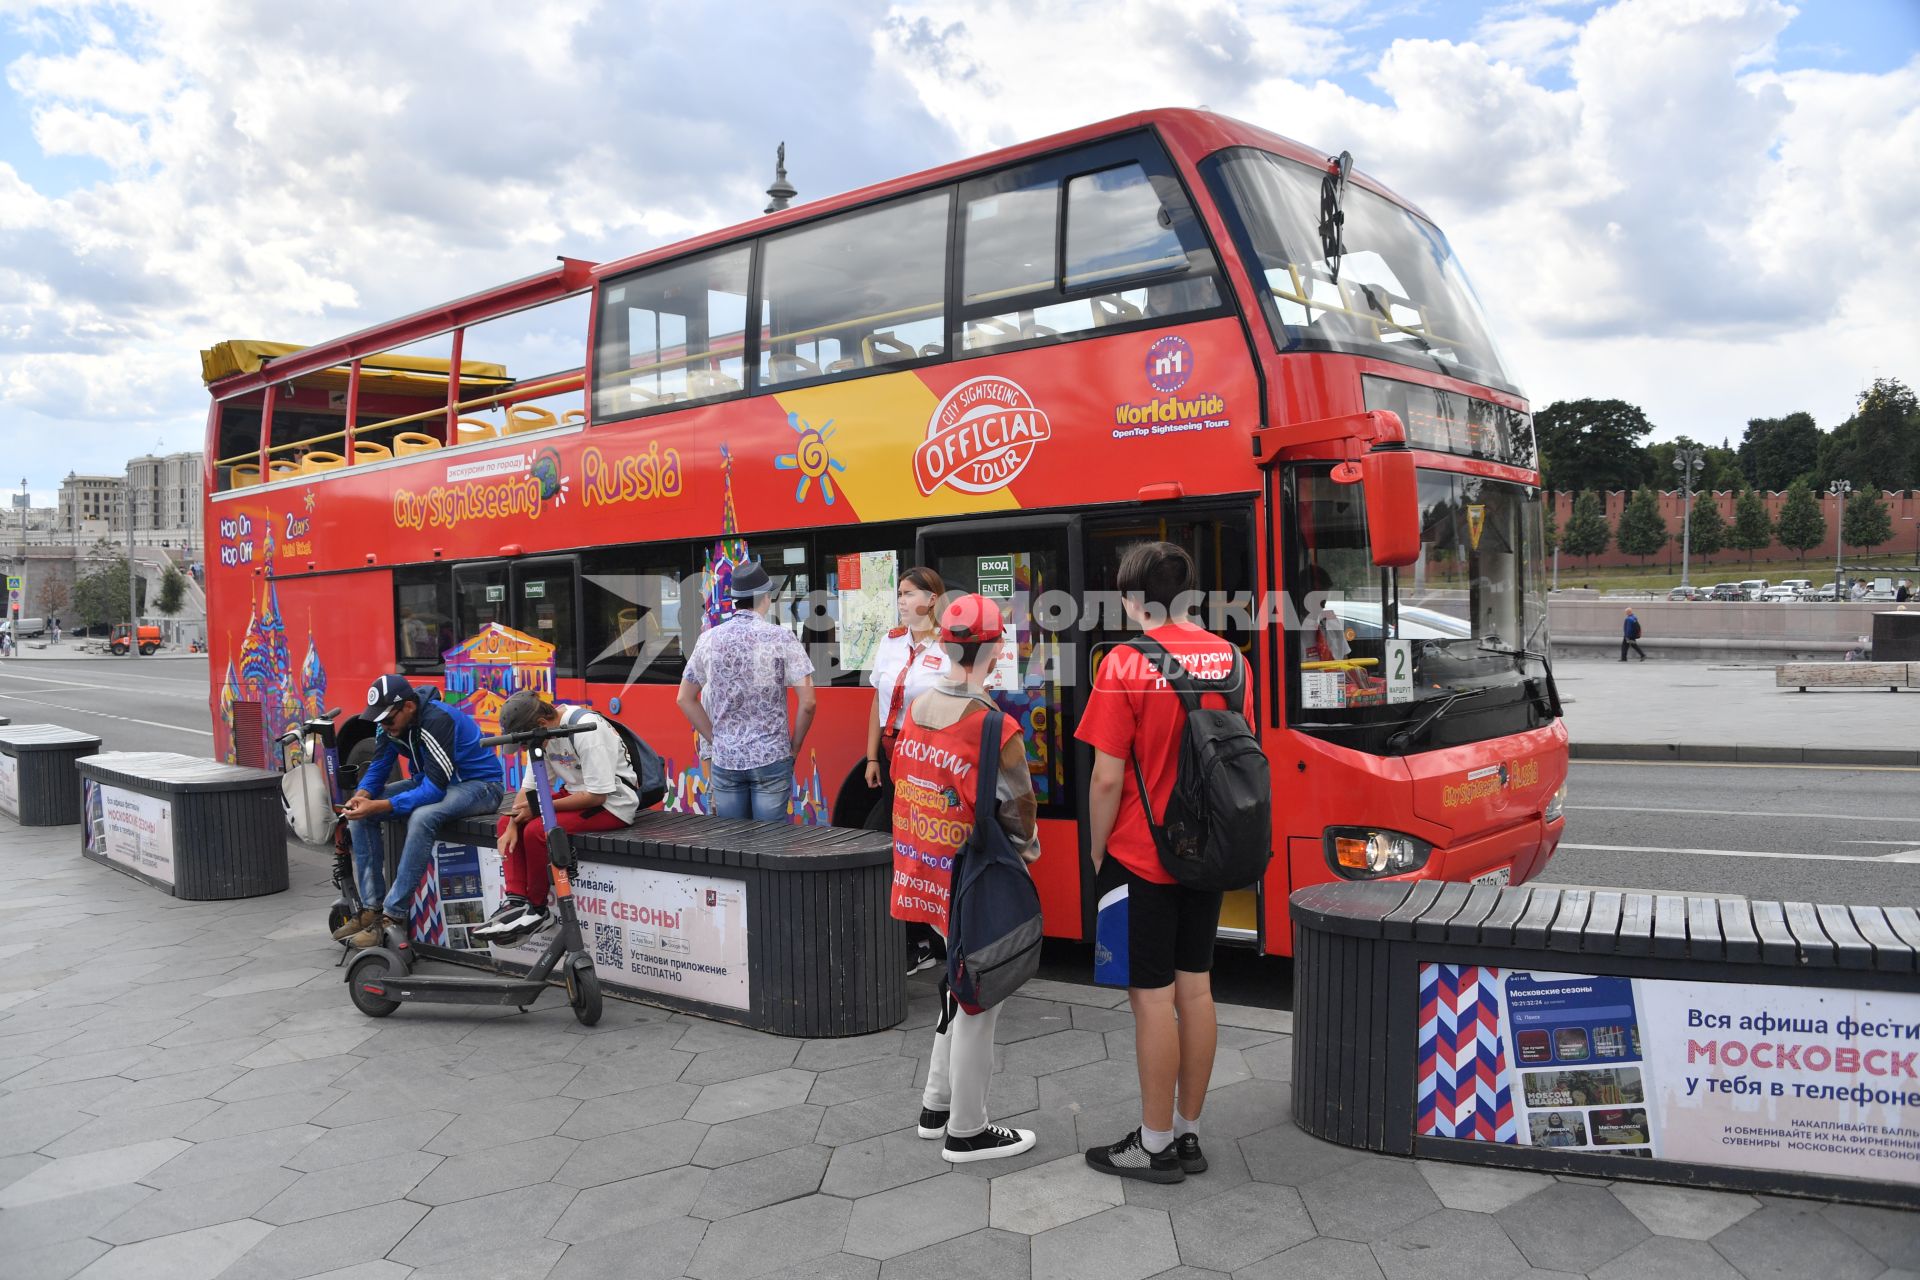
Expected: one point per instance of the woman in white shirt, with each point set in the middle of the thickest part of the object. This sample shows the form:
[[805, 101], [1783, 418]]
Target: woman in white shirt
[[909, 661]]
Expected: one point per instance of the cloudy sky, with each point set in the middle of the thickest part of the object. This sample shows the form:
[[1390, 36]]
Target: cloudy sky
[[1708, 207]]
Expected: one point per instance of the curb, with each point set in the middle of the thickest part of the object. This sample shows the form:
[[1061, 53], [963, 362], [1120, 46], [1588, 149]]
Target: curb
[[1719, 753]]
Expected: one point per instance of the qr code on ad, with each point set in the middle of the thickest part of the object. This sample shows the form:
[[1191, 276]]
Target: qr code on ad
[[607, 945]]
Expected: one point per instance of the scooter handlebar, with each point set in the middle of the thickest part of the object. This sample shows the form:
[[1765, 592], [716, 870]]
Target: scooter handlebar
[[526, 737]]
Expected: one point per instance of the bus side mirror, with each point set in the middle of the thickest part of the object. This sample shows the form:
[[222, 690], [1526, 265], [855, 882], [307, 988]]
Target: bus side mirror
[[1393, 506]]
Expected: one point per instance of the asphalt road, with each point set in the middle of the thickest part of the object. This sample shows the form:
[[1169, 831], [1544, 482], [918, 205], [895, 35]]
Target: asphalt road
[[133, 704], [1796, 833]]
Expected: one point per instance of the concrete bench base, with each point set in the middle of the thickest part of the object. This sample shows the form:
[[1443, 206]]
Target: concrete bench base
[[1891, 676], [193, 828]]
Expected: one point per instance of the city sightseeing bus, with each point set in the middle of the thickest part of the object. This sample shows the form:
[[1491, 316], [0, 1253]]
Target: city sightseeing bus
[[1171, 325]]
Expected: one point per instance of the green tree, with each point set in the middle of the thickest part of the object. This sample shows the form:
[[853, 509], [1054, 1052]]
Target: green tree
[[1708, 532], [1586, 533], [173, 592], [101, 596], [1722, 469], [1643, 531], [1802, 527], [1875, 447], [1867, 522], [1777, 451], [1592, 444], [1752, 527]]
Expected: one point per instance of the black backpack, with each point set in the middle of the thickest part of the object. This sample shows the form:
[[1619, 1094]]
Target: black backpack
[[648, 770], [993, 914], [1217, 832]]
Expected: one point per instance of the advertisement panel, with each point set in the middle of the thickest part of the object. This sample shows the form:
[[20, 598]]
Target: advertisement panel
[[9, 786], [133, 831], [680, 935], [1752, 1076]]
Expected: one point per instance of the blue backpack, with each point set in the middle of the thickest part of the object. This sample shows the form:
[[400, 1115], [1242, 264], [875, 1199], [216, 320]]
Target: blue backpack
[[993, 916]]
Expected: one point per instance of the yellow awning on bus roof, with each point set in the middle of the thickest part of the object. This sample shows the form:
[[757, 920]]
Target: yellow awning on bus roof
[[246, 355]]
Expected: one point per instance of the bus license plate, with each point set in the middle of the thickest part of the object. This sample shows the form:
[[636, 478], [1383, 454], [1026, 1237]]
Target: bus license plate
[[1499, 877]]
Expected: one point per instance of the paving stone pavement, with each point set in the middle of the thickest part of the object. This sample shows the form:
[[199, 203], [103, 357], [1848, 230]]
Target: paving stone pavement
[[185, 1093]]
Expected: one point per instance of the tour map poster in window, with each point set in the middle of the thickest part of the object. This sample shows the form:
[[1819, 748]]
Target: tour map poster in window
[[1738, 1074]]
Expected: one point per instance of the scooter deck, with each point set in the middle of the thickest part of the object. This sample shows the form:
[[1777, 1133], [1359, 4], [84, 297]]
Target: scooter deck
[[441, 988]]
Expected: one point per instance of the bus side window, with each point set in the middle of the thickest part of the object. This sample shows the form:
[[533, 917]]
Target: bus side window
[[672, 334], [1132, 251], [480, 598], [635, 628], [422, 616], [857, 292]]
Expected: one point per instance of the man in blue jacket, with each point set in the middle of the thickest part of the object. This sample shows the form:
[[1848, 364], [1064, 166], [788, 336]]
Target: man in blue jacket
[[453, 777]]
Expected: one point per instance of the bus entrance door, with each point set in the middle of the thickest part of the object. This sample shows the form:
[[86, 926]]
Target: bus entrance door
[[1027, 565]]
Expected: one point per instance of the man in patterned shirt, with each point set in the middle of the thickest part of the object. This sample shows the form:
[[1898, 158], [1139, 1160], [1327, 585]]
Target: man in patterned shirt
[[734, 694]]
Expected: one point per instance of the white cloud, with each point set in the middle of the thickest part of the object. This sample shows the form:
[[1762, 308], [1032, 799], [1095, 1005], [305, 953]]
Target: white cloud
[[1650, 209]]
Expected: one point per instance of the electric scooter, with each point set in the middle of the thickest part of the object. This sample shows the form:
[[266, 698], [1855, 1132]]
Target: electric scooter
[[381, 979]]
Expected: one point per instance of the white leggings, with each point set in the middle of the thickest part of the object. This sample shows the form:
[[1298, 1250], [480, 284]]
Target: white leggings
[[962, 1071]]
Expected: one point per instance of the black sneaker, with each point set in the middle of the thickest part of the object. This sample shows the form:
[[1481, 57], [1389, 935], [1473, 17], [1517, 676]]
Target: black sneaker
[[1186, 1149], [510, 906], [1128, 1159], [933, 1124], [503, 921], [922, 958], [990, 1143]]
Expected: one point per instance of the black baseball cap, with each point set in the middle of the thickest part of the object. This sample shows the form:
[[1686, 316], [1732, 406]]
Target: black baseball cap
[[385, 694]]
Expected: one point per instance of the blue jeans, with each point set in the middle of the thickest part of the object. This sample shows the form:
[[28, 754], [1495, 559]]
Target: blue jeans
[[463, 799], [753, 793]]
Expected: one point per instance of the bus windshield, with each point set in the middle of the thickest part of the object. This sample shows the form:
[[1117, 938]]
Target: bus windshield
[[1397, 292], [1461, 618]]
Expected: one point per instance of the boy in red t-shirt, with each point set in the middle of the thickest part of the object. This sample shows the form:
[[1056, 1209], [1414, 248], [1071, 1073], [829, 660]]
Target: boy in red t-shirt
[[1154, 936]]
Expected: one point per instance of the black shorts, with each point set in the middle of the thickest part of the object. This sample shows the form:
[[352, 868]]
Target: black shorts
[[1147, 931]]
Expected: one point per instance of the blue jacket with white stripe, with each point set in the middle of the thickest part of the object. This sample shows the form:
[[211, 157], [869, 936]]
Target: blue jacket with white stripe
[[442, 746]]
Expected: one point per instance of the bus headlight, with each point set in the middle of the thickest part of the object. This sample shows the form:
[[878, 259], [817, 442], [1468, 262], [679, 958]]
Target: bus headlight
[[1557, 807], [1361, 853]]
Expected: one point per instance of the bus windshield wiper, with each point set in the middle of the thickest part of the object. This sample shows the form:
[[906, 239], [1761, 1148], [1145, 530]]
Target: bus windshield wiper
[[1401, 741], [1546, 665]]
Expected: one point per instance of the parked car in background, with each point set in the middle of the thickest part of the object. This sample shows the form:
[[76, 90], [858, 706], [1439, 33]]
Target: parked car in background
[[1802, 585], [1828, 593], [1727, 591], [1686, 593], [1756, 588], [1782, 594], [25, 629]]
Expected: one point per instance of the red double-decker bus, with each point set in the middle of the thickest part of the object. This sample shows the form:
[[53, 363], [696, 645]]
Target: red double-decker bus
[[1170, 325]]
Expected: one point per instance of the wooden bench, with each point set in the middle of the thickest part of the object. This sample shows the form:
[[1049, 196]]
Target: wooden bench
[[197, 829], [1894, 676], [774, 926], [1694, 1039], [37, 782]]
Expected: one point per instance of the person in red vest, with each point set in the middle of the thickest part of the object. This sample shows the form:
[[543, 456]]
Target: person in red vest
[[933, 796]]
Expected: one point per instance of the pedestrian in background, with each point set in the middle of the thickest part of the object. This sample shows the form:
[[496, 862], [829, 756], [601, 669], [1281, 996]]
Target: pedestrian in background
[[734, 694], [1630, 637]]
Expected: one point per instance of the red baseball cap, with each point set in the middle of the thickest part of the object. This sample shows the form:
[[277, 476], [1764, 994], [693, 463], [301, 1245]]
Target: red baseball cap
[[971, 619]]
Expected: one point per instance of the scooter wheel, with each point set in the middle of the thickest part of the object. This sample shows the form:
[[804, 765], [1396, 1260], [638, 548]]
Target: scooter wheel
[[371, 969], [337, 915], [583, 991]]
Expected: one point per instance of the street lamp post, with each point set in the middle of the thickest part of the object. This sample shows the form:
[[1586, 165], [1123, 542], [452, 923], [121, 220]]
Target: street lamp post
[[1689, 460], [1839, 489]]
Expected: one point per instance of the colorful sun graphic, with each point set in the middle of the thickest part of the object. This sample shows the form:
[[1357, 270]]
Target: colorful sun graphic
[[811, 457]]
